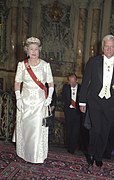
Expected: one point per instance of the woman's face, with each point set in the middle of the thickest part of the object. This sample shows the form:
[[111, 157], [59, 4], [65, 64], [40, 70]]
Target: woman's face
[[33, 51]]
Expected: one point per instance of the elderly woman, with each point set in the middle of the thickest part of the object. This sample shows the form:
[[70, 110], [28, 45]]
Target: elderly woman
[[32, 104]]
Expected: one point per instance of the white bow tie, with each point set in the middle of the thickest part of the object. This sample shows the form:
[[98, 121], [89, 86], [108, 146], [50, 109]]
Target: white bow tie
[[73, 88]]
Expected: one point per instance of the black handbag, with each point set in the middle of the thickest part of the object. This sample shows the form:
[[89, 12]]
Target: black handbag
[[87, 121], [48, 121]]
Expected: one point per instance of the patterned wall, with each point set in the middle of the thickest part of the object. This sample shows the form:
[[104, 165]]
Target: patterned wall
[[112, 19], [57, 38]]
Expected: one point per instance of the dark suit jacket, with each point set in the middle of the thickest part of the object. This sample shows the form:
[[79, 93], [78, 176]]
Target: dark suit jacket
[[93, 81], [66, 96]]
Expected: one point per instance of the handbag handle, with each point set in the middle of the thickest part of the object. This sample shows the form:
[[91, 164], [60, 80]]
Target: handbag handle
[[49, 108]]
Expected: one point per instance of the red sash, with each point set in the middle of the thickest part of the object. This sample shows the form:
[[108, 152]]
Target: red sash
[[36, 80], [73, 103]]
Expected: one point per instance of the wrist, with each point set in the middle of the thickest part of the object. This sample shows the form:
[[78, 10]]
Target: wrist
[[18, 95], [49, 97], [51, 90]]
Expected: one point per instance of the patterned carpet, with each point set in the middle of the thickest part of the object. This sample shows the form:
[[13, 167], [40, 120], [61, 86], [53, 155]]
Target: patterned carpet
[[59, 166]]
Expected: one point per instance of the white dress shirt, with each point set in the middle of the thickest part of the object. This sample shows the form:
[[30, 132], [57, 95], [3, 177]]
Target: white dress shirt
[[107, 77], [73, 94]]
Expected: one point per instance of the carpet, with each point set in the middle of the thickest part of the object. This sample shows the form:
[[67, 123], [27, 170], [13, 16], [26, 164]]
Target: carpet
[[58, 166]]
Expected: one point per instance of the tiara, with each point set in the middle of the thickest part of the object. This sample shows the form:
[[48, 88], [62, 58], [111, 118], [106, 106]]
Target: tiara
[[33, 40]]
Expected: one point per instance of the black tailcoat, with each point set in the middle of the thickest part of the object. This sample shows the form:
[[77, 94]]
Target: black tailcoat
[[72, 118], [101, 110]]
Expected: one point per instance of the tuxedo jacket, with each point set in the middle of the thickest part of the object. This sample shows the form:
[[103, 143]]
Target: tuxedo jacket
[[66, 96], [93, 81]]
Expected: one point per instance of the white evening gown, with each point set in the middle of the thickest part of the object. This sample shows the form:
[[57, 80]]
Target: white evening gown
[[30, 136]]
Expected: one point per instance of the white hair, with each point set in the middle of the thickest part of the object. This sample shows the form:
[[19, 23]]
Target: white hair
[[107, 37], [32, 40]]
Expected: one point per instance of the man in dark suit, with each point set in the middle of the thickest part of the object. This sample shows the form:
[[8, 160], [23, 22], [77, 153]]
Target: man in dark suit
[[97, 93], [70, 95]]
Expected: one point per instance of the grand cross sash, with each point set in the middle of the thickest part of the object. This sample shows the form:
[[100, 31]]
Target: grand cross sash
[[73, 103], [36, 80]]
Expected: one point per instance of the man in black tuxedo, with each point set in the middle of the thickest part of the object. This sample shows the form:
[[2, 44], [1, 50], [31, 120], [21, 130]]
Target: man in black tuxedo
[[70, 95], [97, 93]]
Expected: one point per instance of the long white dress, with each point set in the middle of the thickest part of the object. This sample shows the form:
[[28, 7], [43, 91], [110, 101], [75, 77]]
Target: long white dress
[[30, 136]]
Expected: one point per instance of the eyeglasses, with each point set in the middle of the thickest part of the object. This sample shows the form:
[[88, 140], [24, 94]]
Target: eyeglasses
[[108, 47]]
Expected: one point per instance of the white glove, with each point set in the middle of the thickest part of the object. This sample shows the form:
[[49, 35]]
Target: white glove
[[19, 100], [50, 92], [47, 101], [18, 95], [49, 98], [19, 104]]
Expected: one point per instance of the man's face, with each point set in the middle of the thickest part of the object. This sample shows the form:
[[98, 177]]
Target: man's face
[[72, 81], [108, 48]]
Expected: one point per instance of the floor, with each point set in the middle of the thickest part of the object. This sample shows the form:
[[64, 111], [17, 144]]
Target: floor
[[61, 148]]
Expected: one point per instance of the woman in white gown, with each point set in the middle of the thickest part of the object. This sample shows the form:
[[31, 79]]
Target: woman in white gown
[[32, 105]]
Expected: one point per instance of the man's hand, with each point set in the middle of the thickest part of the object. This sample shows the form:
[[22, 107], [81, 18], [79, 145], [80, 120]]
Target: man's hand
[[83, 109]]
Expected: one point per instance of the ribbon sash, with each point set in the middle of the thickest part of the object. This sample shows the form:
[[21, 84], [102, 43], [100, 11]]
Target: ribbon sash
[[35, 79], [73, 103]]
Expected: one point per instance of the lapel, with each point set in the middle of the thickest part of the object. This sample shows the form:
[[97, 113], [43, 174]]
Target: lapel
[[78, 92], [112, 82], [68, 91], [100, 70], [100, 67]]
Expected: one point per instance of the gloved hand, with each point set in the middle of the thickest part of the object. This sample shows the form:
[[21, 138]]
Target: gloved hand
[[47, 101], [49, 98], [19, 100], [19, 104]]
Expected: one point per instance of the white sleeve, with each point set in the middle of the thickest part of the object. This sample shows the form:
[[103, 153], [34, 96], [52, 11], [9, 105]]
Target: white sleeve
[[49, 74], [18, 76], [82, 104]]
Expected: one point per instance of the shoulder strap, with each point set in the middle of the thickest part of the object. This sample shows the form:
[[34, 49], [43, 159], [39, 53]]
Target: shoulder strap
[[36, 80]]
